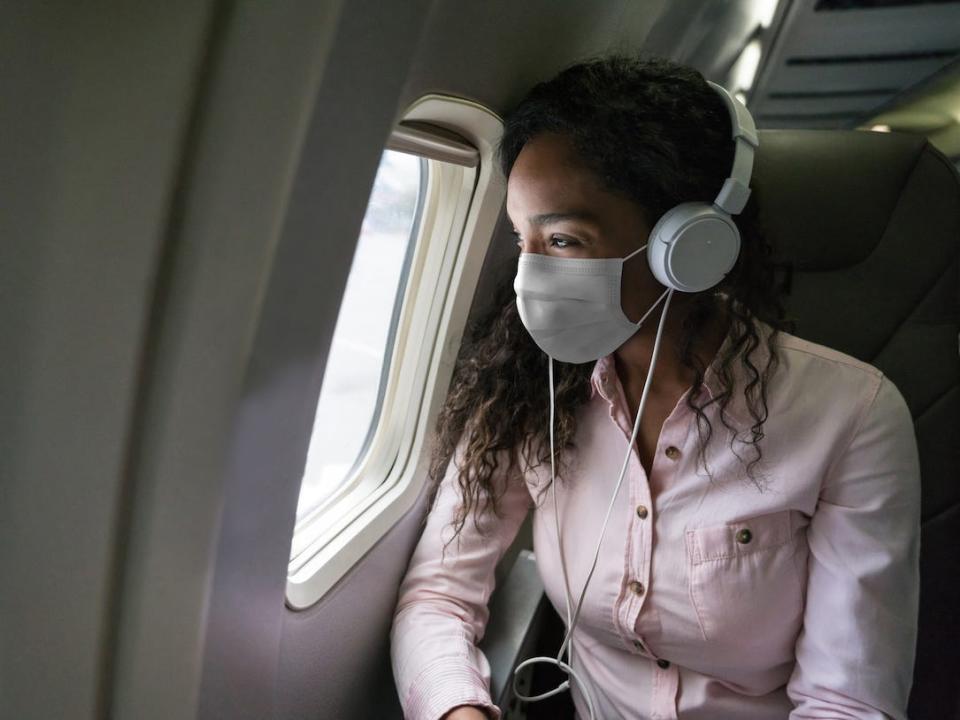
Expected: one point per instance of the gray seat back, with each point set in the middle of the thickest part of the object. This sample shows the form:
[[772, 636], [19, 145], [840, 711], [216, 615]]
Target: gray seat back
[[867, 226]]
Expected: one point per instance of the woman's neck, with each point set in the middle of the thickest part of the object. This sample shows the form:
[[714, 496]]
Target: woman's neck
[[633, 357]]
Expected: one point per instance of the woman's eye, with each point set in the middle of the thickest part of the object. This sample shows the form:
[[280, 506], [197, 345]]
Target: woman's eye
[[557, 241]]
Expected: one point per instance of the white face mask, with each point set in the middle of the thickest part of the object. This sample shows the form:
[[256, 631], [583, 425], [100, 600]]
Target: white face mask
[[571, 306]]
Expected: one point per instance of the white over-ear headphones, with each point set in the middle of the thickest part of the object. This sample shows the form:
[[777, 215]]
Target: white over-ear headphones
[[694, 244]]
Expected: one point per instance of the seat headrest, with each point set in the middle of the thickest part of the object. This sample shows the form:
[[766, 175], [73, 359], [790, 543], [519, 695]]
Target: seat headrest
[[827, 197], [870, 223]]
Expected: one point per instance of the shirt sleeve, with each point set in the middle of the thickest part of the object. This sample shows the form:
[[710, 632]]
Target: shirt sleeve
[[441, 611], [855, 653]]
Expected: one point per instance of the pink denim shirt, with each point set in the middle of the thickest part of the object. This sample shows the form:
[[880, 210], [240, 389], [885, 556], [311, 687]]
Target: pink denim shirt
[[710, 600]]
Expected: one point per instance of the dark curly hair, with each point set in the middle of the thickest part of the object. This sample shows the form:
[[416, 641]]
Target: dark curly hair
[[654, 131]]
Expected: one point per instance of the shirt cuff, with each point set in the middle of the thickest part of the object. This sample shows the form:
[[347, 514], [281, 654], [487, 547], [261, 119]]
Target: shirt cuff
[[445, 684]]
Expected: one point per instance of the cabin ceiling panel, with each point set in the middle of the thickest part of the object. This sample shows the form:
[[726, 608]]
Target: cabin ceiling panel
[[877, 54], [820, 78], [854, 104], [882, 31]]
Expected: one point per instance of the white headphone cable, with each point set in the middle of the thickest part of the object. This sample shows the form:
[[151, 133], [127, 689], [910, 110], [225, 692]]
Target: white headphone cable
[[571, 623]]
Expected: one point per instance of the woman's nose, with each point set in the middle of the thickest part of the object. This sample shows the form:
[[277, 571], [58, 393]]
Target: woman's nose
[[533, 247]]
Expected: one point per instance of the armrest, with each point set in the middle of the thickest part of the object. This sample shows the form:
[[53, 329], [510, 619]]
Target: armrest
[[516, 611]]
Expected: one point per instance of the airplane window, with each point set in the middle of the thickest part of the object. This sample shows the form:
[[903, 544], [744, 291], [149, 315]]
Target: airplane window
[[358, 363], [433, 209]]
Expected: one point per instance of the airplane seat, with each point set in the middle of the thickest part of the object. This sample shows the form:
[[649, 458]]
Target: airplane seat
[[867, 228]]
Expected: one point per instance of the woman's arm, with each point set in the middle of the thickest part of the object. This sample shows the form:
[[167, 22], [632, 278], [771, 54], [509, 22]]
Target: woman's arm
[[855, 653], [442, 612]]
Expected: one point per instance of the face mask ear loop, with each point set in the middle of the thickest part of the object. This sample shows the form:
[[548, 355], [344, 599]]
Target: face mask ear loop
[[640, 321], [635, 252]]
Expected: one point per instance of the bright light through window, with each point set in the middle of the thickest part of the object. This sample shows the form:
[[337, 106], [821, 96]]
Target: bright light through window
[[763, 11], [744, 70], [353, 381]]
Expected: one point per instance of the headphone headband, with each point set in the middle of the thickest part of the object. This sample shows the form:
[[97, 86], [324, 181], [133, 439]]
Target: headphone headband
[[694, 244], [736, 191]]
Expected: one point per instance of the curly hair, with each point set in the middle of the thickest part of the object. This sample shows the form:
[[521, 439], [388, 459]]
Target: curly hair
[[653, 131]]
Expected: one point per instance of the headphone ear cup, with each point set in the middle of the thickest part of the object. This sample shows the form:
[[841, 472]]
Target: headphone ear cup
[[692, 247]]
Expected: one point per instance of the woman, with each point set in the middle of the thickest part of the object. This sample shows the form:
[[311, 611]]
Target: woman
[[764, 566]]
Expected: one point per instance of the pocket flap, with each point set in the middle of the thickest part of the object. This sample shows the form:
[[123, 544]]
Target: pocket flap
[[743, 537]]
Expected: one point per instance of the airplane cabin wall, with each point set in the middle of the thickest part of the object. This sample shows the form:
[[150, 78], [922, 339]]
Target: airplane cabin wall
[[94, 114]]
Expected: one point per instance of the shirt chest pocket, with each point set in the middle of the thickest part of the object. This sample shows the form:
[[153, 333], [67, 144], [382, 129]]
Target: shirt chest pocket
[[747, 578]]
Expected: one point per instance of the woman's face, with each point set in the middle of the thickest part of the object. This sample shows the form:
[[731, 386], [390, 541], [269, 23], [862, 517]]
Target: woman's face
[[558, 207]]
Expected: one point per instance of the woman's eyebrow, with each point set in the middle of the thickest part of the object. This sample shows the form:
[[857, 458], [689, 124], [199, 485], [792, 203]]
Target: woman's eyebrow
[[547, 218]]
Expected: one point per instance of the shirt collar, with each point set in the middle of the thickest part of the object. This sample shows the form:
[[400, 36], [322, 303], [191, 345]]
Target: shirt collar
[[604, 380], [601, 380]]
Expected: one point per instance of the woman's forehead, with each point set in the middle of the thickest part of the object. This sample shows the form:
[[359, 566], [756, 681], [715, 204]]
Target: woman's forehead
[[549, 177]]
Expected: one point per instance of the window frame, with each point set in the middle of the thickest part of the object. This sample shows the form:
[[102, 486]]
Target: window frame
[[456, 223]]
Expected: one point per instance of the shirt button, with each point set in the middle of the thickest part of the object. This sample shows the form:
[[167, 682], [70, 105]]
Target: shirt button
[[637, 644], [744, 536], [673, 453], [637, 587], [641, 512], [663, 663]]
